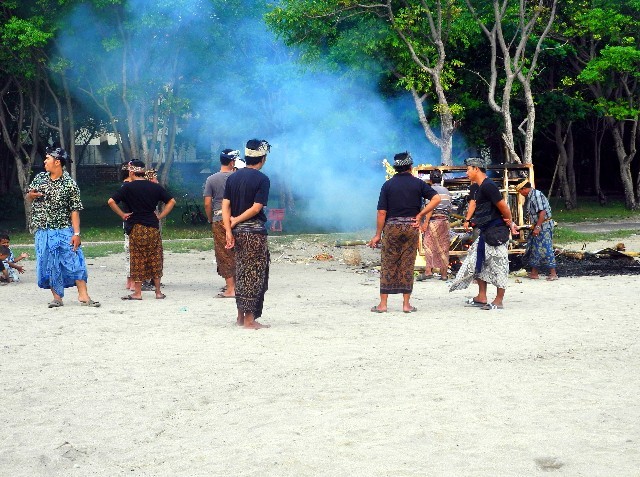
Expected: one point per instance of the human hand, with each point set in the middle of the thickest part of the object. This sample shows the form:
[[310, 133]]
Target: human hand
[[75, 242], [20, 269], [234, 221], [24, 255], [374, 242], [34, 194], [231, 241]]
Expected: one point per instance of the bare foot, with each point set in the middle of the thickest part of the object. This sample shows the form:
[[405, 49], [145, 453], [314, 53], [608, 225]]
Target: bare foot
[[255, 326]]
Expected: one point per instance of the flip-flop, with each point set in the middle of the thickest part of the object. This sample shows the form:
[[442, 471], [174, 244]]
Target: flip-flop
[[162, 296], [410, 310], [531, 278], [422, 277], [130, 297], [375, 309], [473, 302], [90, 302], [552, 279], [222, 295], [56, 304], [491, 306]]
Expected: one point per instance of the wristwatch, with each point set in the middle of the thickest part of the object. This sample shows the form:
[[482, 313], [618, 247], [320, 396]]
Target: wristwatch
[[77, 234]]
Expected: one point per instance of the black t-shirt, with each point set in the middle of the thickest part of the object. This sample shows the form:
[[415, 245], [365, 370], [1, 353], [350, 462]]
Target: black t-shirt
[[487, 196], [245, 187], [142, 197], [401, 196]]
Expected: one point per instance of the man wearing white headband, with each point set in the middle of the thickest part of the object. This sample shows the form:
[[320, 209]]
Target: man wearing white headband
[[213, 195], [245, 196]]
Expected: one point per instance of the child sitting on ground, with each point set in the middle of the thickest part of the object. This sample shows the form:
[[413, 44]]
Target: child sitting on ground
[[9, 264]]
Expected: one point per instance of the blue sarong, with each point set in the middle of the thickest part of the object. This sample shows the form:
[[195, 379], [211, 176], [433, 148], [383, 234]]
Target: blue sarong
[[57, 265], [540, 251]]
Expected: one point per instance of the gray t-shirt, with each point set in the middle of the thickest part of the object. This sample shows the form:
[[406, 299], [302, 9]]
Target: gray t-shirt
[[444, 207], [214, 188]]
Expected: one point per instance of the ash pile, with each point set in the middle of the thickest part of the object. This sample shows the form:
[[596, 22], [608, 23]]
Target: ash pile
[[605, 262]]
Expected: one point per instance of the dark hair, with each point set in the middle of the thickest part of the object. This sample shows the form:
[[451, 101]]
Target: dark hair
[[436, 176], [400, 169], [124, 171], [59, 154], [256, 145], [228, 155], [4, 250], [4, 236], [137, 163], [252, 161]]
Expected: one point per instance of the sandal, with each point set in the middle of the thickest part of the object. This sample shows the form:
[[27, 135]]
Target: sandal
[[410, 310], [552, 278], [161, 296], [55, 304], [492, 306], [90, 302], [473, 302], [130, 297], [375, 309]]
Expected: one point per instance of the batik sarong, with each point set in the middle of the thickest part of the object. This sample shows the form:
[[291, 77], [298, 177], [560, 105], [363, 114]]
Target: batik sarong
[[436, 244], [57, 265], [540, 251], [399, 249], [225, 259], [252, 271], [145, 250], [127, 258], [495, 267]]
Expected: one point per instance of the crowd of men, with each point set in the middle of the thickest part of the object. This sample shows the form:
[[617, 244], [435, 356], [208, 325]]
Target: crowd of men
[[235, 199]]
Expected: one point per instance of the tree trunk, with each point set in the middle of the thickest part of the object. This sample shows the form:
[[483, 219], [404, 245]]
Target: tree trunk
[[563, 160], [624, 159], [571, 171], [598, 135]]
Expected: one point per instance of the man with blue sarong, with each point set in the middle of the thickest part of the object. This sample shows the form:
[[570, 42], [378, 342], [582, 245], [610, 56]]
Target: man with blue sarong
[[541, 238], [55, 221]]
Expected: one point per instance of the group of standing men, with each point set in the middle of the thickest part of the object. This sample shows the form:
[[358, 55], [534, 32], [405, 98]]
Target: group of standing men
[[407, 205], [234, 202], [235, 208]]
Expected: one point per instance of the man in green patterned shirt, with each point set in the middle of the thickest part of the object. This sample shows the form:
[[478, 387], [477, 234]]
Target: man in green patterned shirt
[[55, 221]]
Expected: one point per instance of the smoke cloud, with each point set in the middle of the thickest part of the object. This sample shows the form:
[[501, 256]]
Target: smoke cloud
[[329, 131]]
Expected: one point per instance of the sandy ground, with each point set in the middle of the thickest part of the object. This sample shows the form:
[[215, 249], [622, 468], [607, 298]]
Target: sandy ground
[[173, 388]]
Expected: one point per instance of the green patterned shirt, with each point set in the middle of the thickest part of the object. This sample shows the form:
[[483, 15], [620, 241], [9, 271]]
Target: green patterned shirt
[[61, 197]]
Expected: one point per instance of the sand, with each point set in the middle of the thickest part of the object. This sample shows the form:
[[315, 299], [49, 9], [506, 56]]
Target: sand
[[173, 388]]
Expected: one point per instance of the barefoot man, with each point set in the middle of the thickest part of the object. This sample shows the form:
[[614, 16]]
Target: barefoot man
[[245, 196], [541, 238]]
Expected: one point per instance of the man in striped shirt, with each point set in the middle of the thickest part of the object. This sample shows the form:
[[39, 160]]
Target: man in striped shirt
[[541, 237]]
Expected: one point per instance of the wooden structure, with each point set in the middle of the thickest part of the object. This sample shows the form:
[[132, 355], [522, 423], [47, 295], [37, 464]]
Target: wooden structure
[[506, 177]]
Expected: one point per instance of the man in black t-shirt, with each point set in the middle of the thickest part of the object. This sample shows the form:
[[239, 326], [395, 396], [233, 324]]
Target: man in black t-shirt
[[245, 195], [400, 213], [145, 243], [484, 262]]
